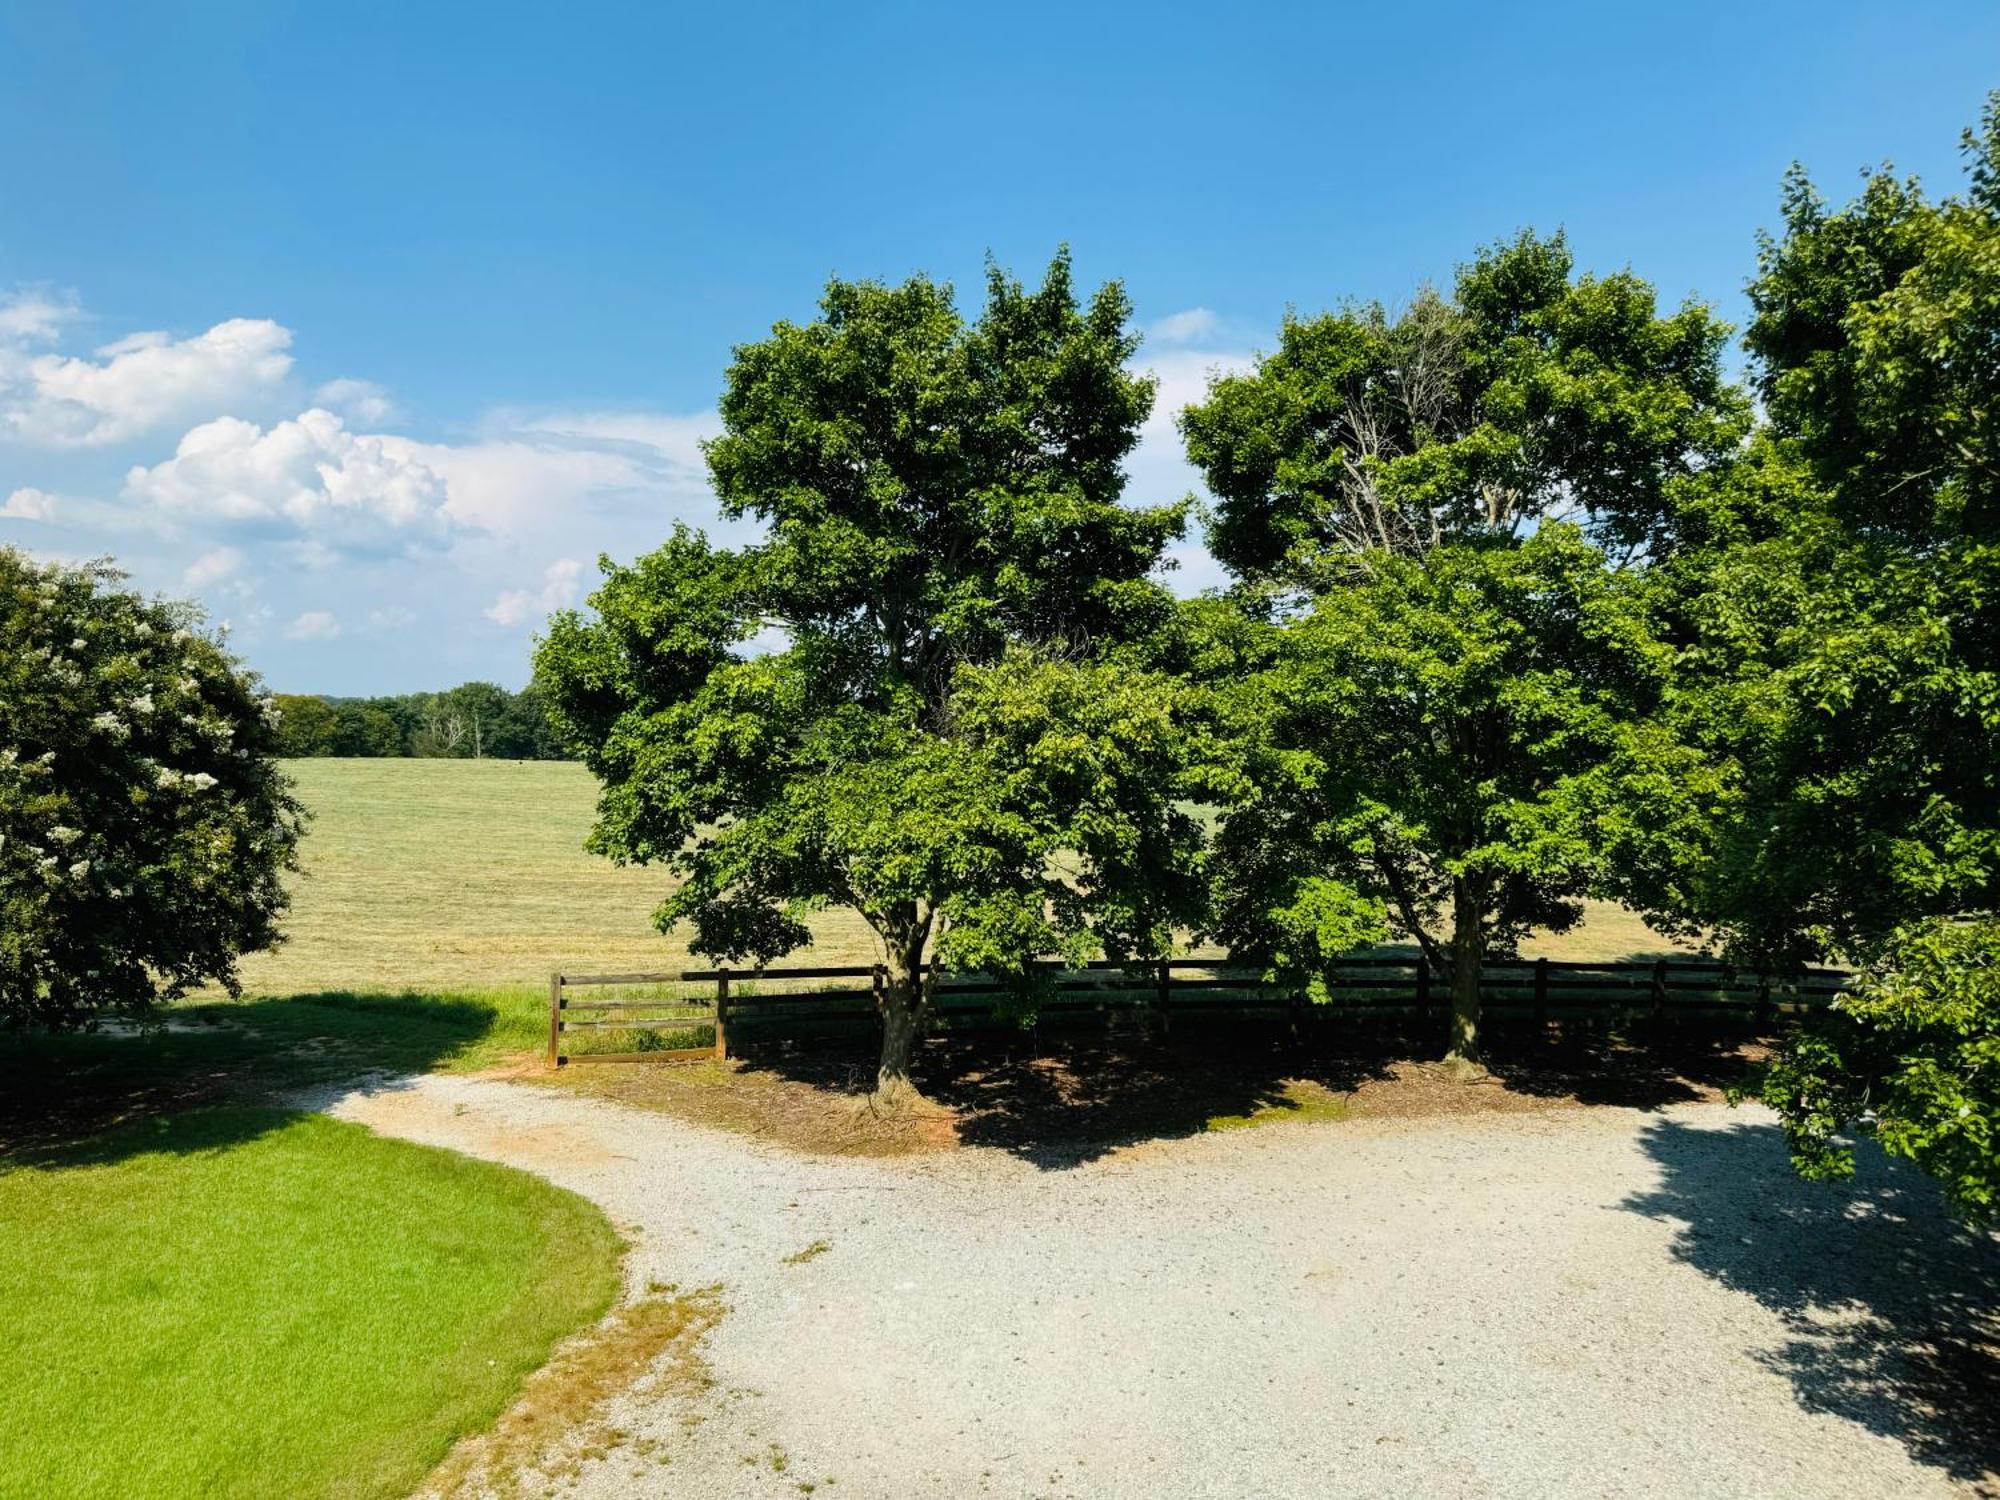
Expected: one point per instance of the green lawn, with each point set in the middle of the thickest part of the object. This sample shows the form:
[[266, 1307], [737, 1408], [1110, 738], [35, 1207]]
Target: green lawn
[[255, 1302], [210, 1295]]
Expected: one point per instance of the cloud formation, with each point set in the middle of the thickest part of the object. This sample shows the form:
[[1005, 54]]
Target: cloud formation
[[1190, 326], [133, 386], [361, 401], [213, 566], [314, 625], [31, 315], [29, 505], [561, 581], [308, 479]]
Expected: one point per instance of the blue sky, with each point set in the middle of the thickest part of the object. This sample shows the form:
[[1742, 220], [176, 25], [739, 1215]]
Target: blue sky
[[370, 326]]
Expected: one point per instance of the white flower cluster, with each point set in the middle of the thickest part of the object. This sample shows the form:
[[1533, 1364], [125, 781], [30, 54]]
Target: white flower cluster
[[166, 777]]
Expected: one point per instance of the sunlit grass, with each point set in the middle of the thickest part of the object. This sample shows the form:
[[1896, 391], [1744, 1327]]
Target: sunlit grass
[[453, 875], [252, 1302]]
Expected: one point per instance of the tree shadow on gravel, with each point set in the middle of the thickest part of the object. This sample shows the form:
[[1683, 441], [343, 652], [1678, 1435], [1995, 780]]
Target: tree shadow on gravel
[[1892, 1309], [1060, 1100]]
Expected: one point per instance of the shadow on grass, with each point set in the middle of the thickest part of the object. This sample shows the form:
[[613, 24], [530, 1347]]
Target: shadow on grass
[[1059, 1100], [1891, 1310], [66, 1096]]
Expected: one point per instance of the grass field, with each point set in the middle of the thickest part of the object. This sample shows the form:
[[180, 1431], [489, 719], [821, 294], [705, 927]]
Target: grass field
[[461, 874], [255, 1302], [471, 875]]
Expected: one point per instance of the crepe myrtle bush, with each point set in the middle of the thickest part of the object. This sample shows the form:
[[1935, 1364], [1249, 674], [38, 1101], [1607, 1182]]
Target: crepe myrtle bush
[[144, 826]]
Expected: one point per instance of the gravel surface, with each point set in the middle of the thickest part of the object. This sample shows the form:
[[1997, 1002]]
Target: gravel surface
[[1595, 1302]]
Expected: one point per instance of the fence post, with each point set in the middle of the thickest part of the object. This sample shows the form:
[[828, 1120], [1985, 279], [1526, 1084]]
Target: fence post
[[555, 1020], [1659, 990], [1165, 994], [1766, 1013], [721, 1014], [1541, 999], [1423, 994]]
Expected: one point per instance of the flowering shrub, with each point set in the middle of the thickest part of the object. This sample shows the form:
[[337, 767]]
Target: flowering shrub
[[144, 829]]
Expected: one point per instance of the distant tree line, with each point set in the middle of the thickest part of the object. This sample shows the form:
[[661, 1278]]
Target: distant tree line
[[473, 721]]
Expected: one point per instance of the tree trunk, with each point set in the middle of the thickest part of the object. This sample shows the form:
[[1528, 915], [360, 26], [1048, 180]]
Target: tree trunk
[[902, 1003], [1468, 949]]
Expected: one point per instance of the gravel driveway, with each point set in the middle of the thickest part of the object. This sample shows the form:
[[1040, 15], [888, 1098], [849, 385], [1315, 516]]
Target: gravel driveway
[[1583, 1302]]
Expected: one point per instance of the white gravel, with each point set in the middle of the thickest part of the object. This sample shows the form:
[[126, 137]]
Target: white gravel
[[1574, 1303]]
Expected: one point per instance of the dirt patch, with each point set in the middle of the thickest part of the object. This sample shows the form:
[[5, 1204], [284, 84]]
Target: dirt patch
[[1064, 1100], [826, 1117], [649, 1349], [1614, 1074], [408, 1112]]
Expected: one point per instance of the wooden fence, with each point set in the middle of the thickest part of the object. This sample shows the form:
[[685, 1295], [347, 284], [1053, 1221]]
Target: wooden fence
[[763, 1004]]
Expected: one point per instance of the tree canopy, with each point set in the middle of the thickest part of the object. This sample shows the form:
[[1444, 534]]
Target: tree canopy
[[1840, 608], [144, 830], [1529, 392], [1446, 736], [1442, 748], [948, 732]]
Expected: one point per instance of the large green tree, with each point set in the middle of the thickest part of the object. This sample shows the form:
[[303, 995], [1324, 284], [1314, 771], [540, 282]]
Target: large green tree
[[144, 828], [1839, 600], [1443, 747], [945, 732], [1449, 729]]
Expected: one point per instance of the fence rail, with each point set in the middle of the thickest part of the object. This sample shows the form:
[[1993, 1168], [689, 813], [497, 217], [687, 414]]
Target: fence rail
[[755, 1003]]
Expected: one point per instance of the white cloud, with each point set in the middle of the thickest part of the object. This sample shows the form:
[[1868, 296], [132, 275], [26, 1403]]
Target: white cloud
[[391, 617], [560, 582], [213, 567], [360, 401], [36, 316], [1158, 471], [1189, 326], [29, 505], [308, 479], [535, 474], [135, 385], [314, 625]]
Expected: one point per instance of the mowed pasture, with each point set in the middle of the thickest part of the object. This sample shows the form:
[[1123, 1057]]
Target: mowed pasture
[[468, 875], [460, 875]]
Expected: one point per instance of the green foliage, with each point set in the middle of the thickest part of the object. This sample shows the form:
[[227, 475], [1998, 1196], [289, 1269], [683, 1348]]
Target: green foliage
[[1838, 592], [1447, 738], [1913, 1059], [1837, 598], [952, 738], [144, 828], [1457, 738], [473, 721], [1527, 393], [306, 725]]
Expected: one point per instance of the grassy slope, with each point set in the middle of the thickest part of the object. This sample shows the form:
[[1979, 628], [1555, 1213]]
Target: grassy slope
[[456, 874], [452, 875], [253, 1302]]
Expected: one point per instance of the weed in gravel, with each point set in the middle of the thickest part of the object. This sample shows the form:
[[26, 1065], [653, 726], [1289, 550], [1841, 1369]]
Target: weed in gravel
[[1295, 1101]]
